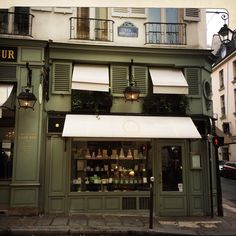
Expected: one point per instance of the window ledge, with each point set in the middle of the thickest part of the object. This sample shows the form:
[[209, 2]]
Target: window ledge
[[221, 88], [223, 117]]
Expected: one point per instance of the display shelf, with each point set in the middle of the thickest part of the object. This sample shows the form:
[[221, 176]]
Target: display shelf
[[98, 166]]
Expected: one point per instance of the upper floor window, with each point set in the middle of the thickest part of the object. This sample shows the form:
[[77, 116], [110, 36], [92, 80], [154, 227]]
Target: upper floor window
[[222, 105], [221, 79], [234, 71], [18, 22], [163, 27], [91, 24]]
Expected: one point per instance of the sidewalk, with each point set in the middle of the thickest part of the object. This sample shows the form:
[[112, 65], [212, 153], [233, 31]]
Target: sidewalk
[[118, 224]]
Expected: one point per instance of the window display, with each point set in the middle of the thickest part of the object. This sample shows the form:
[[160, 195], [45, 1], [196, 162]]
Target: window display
[[109, 165]]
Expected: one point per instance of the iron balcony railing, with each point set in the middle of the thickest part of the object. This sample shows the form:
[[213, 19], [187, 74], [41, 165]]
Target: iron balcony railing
[[16, 23], [91, 29], [165, 33]]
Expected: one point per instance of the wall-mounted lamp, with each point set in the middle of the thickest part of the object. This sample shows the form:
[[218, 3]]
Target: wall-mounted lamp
[[26, 98], [131, 92], [226, 34]]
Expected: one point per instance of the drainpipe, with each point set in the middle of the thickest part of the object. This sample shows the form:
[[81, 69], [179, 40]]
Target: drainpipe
[[209, 141], [218, 181]]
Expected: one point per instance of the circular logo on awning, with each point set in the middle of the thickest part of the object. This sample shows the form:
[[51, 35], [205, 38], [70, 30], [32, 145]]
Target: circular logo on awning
[[131, 127]]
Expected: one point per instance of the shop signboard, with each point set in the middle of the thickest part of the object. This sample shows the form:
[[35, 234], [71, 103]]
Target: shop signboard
[[8, 54]]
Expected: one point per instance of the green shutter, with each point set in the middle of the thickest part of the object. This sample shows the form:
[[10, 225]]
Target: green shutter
[[119, 79], [140, 74], [193, 78], [61, 83], [7, 73]]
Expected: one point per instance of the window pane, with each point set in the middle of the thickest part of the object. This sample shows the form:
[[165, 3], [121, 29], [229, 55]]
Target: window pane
[[171, 15], [109, 166], [171, 168]]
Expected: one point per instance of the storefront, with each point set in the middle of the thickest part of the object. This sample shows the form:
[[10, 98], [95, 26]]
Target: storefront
[[113, 157], [84, 148]]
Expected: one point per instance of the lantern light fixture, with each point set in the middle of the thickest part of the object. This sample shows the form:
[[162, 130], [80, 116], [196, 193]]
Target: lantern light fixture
[[131, 92], [226, 34], [26, 98]]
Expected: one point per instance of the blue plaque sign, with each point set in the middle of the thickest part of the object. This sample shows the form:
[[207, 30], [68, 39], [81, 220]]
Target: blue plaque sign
[[127, 29]]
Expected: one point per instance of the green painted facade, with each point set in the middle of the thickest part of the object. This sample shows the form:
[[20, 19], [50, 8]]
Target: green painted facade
[[42, 161]]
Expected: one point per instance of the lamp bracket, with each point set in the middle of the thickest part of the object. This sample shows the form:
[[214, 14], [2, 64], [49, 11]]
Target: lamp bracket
[[29, 77]]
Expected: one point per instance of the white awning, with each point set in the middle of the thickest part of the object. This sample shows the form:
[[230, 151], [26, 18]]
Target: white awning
[[5, 92], [168, 81], [91, 77], [105, 126]]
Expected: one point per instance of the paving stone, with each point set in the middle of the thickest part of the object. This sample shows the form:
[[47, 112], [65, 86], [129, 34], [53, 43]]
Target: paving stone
[[78, 220], [44, 220], [59, 221]]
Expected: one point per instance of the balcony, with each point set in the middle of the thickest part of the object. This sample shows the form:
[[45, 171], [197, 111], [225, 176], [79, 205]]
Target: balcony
[[16, 23], [91, 29], [165, 33]]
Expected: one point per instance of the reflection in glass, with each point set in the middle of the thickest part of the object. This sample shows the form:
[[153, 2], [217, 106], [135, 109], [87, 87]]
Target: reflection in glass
[[172, 179]]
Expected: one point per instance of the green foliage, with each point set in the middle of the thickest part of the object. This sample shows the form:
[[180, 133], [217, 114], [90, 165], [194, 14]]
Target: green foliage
[[90, 102], [165, 104]]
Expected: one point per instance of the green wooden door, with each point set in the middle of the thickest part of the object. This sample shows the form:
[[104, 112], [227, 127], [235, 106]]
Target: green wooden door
[[170, 183]]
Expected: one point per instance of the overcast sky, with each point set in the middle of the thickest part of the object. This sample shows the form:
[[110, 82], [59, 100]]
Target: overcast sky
[[214, 23]]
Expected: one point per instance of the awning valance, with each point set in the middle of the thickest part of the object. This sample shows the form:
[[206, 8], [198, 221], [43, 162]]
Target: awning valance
[[91, 77], [109, 126], [5, 92], [168, 81]]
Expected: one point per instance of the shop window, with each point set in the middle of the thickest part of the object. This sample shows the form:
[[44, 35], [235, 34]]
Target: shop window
[[7, 135], [6, 152], [110, 166], [172, 179]]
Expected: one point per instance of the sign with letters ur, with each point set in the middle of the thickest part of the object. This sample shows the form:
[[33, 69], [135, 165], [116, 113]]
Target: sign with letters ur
[[8, 54]]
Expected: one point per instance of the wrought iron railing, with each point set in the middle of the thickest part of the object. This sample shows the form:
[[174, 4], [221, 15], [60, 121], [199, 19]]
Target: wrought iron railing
[[165, 33], [91, 29], [16, 23]]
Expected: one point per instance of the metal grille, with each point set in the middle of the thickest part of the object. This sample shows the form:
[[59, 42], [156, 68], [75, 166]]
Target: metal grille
[[144, 203], [129, 203]]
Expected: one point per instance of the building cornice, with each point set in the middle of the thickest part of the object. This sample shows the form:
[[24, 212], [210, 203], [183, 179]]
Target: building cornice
[[224, 60]]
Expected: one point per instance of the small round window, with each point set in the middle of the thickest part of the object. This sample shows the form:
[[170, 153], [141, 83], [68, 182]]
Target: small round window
[[207, 89]]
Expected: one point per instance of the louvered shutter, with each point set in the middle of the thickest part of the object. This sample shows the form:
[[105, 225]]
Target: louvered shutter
[[129, 12], [137, 12], [191, 14], [140, 74], [119, 79], [120, 11], [61, 83], [193, 78], [7, 73]]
